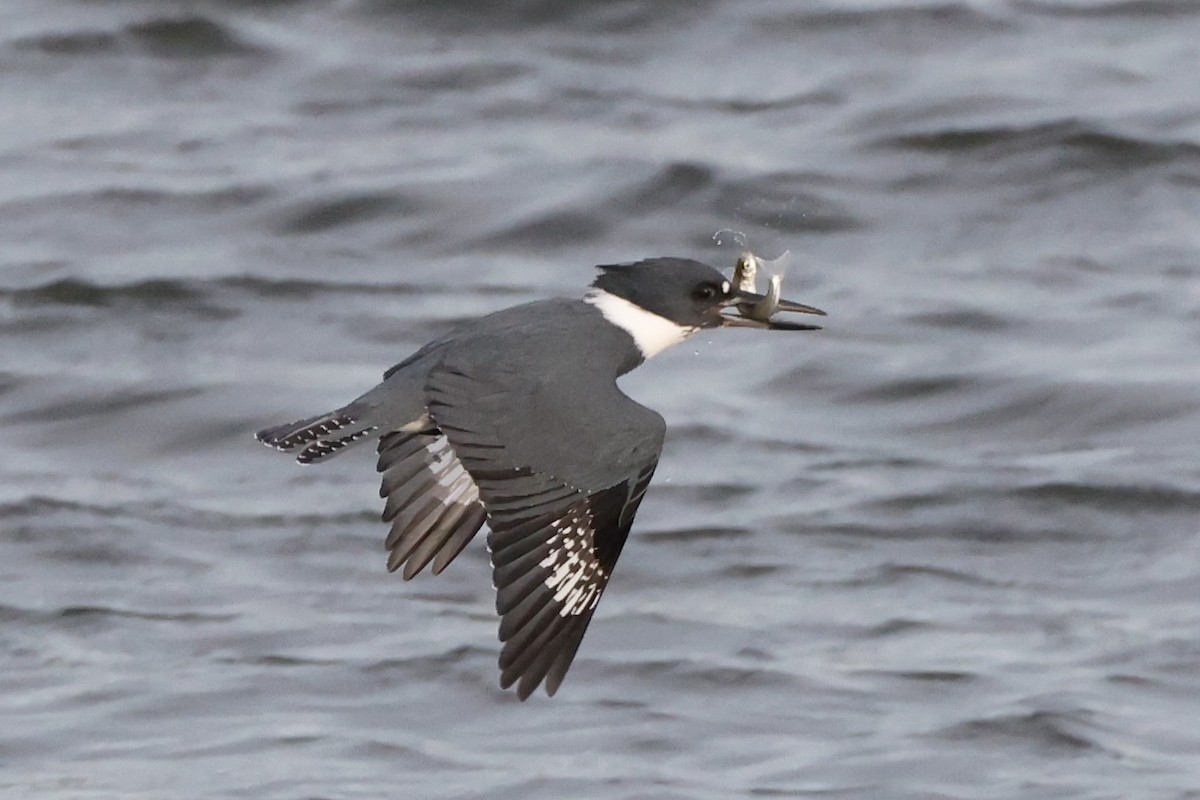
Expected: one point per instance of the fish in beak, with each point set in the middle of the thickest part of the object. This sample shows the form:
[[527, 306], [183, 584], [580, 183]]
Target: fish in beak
[[755, 310]]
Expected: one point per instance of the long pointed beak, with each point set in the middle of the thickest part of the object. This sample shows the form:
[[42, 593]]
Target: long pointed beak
[[744, 298]]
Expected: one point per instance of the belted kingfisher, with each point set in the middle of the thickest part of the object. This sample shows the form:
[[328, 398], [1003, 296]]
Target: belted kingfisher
[[515, 419]]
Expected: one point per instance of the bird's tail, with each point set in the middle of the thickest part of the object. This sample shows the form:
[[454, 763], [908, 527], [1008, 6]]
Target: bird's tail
[[319, 437]]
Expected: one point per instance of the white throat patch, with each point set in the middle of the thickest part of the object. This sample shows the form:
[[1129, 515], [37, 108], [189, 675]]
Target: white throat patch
[[652, 333]]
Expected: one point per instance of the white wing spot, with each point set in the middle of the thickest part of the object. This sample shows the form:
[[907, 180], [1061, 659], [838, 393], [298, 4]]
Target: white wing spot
[[575, 572]]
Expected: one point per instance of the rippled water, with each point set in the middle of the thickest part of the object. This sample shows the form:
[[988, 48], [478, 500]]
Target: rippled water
[[945, 548]]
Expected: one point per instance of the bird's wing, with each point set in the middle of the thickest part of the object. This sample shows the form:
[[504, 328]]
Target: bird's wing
[[432, 503], [561, 465]]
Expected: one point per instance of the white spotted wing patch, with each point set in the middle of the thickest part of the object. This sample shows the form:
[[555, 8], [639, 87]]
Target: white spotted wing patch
[[431, 501], [550, 573], [575, 575]]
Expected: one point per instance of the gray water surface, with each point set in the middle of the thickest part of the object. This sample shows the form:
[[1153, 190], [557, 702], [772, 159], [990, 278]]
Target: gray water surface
[[945, 548]]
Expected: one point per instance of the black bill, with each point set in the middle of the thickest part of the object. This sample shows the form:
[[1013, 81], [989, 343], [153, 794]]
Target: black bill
[[742, 298]]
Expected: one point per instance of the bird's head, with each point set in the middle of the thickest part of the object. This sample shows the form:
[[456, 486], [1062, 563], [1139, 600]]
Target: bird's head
[[668, 299]]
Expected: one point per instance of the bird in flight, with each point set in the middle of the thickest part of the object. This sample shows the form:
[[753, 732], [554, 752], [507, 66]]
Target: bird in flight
[[516, 420]]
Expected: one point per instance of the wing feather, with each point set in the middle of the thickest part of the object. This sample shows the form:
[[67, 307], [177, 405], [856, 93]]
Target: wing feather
[[432, 502], [459, 535]]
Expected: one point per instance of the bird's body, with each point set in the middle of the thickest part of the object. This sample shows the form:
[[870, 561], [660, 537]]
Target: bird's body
[[516, 420]]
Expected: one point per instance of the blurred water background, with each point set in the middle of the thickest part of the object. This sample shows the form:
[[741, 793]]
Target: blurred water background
[[946, 548]]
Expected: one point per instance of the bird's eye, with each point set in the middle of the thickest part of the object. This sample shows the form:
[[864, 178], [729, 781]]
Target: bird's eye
[[705, 292]]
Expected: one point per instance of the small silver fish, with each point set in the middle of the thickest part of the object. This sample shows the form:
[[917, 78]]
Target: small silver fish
[[746, 271], [745, 275]]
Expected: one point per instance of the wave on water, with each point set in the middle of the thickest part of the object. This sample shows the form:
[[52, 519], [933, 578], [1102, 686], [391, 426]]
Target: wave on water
[[1075, 144], [1110, 9], [173, 37], [885, 20], [208, 294], [1038, 730]]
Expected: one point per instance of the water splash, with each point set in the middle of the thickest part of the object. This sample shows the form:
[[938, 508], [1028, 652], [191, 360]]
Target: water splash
[[728, 236]]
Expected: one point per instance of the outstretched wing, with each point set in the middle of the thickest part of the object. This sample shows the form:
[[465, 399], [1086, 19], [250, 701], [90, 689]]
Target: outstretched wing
[[561, 487]]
